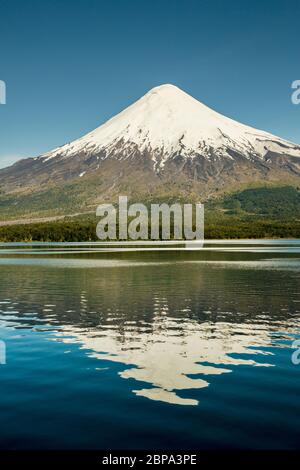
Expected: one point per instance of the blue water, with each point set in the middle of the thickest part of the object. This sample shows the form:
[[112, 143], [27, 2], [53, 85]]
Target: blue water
[[150, 350]]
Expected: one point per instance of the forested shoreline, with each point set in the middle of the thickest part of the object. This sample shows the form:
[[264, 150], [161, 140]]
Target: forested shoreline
[[76, 231], [252, 213]]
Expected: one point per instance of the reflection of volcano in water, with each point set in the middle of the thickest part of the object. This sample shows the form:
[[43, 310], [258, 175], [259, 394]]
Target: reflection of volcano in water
[[173, 326], [177, 354]]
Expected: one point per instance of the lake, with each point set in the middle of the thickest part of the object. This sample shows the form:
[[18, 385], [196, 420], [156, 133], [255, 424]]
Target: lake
[[113, 349]]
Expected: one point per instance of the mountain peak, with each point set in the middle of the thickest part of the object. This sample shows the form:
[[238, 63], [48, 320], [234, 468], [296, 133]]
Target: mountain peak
[[166, 87], [167, 142], [166, 122], [169, 92]]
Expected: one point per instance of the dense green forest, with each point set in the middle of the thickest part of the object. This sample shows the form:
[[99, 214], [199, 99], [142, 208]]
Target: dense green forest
[[75, 231], [282, 203], [252, 213]]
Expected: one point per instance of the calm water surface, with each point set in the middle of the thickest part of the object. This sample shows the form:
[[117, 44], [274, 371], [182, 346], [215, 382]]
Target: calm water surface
[[150, 350]]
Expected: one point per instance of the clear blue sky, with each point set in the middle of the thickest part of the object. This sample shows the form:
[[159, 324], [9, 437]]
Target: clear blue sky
[[70, 65]]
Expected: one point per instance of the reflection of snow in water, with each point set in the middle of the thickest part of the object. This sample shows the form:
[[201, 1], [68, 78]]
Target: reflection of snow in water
[[167, 354], [174, 352]]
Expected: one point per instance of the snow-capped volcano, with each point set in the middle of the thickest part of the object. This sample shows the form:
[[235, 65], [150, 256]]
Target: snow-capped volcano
[[165, 145], [166, 122]]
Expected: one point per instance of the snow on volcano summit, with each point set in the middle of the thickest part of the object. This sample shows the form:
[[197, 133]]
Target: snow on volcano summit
[[166, 122]]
